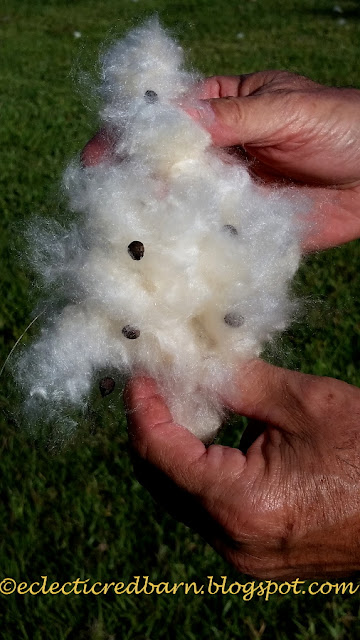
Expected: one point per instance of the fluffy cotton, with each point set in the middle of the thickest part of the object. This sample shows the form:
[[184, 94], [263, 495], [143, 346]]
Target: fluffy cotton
[[219, 252]]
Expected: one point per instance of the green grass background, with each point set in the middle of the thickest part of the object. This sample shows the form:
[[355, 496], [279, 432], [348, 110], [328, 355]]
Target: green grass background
[[81, 513]]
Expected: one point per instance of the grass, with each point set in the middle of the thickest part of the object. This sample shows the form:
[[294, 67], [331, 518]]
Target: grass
[[81, 513]]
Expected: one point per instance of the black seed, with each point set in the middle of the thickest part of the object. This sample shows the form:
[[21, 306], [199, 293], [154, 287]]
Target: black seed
[[232, 231], [234, 319], [130, 332], [136, 250], [151, 96], [107, 386]]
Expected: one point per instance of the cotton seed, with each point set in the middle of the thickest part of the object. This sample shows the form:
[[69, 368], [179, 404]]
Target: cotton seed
[[234, 319], [151, 96], [136, 250], [130, 332], [107, 386], [232, 231]]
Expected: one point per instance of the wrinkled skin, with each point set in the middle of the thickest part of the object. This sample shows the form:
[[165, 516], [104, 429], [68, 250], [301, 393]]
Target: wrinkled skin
[[287, 504], [290, 506], [293, 128]]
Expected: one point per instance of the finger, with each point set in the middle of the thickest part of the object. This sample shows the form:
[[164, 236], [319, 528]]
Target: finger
[[253, 430], [97, 149], [179, 502], [171, 448], [293, 402], [271, 395], [335, 219], [261, 391], [236, 86], [219, 87], [250, 120], [239, 110]]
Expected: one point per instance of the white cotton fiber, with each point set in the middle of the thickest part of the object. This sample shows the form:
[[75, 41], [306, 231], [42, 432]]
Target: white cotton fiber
[[219, 252]]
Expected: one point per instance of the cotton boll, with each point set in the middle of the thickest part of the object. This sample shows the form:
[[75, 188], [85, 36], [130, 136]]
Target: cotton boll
[[57, 369], [162, 135], [145, 60], [178, 264]]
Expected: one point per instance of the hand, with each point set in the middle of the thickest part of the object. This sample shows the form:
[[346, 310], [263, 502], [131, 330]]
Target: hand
[[294, 129], [290, 507]]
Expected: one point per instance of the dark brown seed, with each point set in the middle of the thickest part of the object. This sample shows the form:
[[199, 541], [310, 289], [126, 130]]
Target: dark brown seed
[[107, 386], [151, 96], [232, 231], [130, 332], [234, 319], [136, 250]]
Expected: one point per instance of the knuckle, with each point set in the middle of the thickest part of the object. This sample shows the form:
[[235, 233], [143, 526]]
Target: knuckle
[[313, 404], [324, 398], [316, 394], [311, 400]]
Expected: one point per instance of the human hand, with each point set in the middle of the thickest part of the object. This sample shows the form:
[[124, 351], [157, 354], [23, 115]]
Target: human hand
[[279, 511], [291, 129], [288, 508], [294, 129]]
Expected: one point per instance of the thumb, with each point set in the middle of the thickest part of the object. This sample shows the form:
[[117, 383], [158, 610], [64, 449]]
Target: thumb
[[250, 120]]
